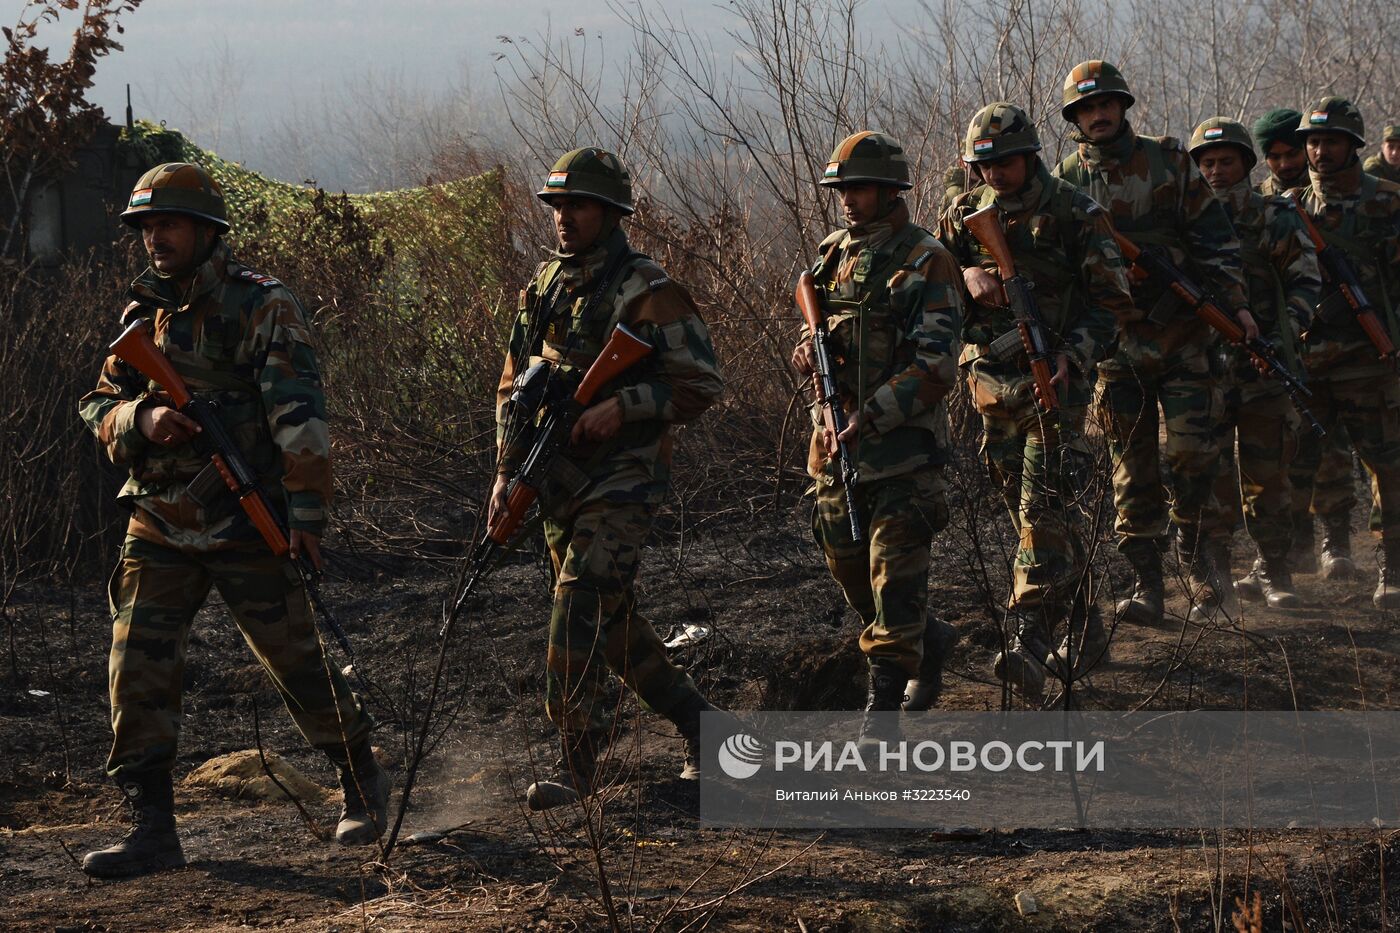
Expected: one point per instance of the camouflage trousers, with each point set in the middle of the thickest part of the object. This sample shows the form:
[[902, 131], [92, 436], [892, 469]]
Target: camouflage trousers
[[1028, 460], [1334, 481], [1369, 409], [594, 628], [885, 579], [155, 592], [1131, 387], [1266, 428]]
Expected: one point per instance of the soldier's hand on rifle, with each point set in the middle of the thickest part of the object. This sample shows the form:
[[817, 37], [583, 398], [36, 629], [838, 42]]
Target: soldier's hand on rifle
[[804, 359], [984, 287], [496, 508], [847, 436], [1060, 378], [304, 543], [163, 425], [600, 422], [1251, 329]]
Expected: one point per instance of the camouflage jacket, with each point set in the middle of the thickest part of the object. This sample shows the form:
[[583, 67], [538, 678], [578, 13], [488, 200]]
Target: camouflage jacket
[[892, 295], [1157, 198], [1358, 214], [679, 380], [1280, 266], [1272, 187], [1378, 166], [1063, 242], [242, 341]]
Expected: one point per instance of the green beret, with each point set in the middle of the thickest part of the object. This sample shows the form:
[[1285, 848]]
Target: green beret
[[1279, 125]]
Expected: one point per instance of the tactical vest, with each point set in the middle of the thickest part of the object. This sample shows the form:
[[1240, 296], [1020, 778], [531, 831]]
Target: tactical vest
[[1359, 238]]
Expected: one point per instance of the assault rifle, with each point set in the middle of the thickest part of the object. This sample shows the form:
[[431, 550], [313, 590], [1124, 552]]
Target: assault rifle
[[136, 348], [1337, 270], [985, 226], [1156, 265], [829, 393]]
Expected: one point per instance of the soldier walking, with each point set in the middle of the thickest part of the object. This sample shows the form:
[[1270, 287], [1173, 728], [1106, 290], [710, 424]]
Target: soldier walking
[[1157, 198], [242, 342], [891, 293], [620, 457], [1281, 274], [1062, 242], [1358, 215]]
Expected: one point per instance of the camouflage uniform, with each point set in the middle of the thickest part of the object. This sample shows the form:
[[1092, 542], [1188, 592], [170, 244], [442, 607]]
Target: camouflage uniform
[[1359, 215], [240, 340], [1157, 198], [892, 306], [1378, 166], [1283, 280], [1062, 241], [595, 535]]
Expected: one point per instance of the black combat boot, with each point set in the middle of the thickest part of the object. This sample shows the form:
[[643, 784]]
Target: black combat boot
[[1208, 570], [686, 716], [364, 785], [1336, 547], [152, 844], [1144, 607], [1276, 583], [573, 773], [1021, 665], [1302, 556], [883, 698], [1085, 643], [923, 689], [1387, 595]]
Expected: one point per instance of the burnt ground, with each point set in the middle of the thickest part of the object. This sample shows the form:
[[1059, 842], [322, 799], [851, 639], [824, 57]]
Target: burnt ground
[[781, 640]]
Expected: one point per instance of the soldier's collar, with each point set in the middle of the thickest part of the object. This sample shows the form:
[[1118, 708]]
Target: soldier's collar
[[1030, 195], [880, 231], [1110, 154], [1339, 185], [164, 290]]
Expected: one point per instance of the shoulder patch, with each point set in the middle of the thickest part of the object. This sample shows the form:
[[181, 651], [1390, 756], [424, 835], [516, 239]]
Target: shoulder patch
[[653, 275], [257, 278], [832, 238], [1085, 204]]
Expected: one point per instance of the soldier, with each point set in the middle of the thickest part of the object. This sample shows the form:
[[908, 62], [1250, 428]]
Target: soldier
[[1276, 134], [1063, 243], [1359, 215], [954, 184], [1281, 274], [621, 453], [1386, 163], [892, 299], [241, 340], [1157, 198]]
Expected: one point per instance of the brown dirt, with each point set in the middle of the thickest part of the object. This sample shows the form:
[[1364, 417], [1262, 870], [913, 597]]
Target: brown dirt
[[781, 641]]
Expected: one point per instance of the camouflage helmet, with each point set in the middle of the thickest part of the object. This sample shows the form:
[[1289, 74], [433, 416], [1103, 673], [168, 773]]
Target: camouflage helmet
[[1391, 132], [1333, 115], [590, 172], [1222, 131], [867, 157], [177, 188], [1093, 79], [999, 130]]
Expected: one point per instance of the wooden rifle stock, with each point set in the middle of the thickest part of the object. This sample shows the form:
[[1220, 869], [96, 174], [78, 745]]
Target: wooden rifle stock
[[136, 348], [985, 225], [1342, 275], [623, 350], [810, 306]]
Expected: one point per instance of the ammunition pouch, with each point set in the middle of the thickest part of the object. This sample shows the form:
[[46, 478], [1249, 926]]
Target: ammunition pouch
[[209, 491]]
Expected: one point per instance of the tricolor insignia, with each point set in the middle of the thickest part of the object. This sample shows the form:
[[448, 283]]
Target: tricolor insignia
[[257, 278], [1087, 84], [1214, 132], [557, 180], [983, 145], [833, 169], [140, 196], [1318, 116]]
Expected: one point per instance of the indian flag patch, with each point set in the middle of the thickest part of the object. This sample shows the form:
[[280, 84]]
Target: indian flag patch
[[557, 180], [140, 196], [1088, 84], [833, 169], [1215, 132], [1317, 116], [980, 146]]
